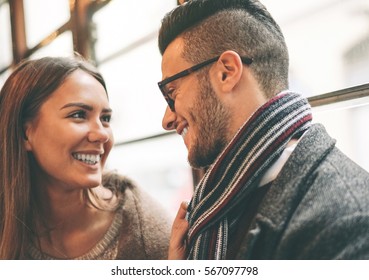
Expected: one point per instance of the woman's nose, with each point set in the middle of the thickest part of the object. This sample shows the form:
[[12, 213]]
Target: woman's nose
[[99, 133]]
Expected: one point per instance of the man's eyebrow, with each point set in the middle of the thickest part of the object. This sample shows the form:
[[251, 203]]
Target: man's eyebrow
[[84, 106]]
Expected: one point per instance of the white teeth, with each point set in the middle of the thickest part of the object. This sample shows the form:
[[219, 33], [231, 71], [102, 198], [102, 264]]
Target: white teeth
[[184, 132], [87, 158]]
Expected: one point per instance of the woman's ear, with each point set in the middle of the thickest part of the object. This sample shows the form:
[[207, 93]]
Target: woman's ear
[[26, 132], [229, 70]]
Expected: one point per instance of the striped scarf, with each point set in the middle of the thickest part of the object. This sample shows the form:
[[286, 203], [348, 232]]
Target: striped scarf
[[237, 172]]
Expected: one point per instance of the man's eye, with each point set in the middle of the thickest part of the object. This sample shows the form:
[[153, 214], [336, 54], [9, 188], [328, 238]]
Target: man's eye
[[171, 93]]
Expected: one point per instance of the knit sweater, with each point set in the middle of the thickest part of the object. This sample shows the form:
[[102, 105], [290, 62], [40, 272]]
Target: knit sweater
[[140, 228]]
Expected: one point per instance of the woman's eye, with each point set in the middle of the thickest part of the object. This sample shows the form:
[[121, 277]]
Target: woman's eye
[[78, 115], [106, 118]]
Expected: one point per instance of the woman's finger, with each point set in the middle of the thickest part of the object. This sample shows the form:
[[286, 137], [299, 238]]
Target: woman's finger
[[177, 245]]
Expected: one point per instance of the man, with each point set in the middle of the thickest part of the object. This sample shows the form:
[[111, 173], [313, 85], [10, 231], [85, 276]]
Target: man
[[276, 187]]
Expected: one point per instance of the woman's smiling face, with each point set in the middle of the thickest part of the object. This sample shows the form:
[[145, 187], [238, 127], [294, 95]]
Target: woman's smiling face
[[70, 138]]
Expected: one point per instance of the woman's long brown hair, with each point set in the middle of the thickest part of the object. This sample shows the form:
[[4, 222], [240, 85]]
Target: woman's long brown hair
[[21, 97]]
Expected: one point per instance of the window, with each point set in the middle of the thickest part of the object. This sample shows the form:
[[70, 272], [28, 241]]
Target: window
[[35, 18], [5, 37], [328, 42]]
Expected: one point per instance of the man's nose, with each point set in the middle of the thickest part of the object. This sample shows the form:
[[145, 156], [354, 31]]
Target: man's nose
[[169, 119]]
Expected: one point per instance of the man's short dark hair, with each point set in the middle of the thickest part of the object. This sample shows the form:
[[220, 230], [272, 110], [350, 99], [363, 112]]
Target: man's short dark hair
[[210, 27]]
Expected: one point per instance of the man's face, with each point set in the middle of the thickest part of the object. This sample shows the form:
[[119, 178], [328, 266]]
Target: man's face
[[199, 116]]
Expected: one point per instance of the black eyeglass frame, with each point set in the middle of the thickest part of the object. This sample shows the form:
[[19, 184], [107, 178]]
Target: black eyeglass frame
[[186, 72]]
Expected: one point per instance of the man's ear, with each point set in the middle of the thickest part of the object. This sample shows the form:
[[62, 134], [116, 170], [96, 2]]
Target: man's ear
[[230, 68]]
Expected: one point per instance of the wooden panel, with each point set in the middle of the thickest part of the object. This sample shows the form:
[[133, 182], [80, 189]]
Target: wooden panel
[[19, 43]]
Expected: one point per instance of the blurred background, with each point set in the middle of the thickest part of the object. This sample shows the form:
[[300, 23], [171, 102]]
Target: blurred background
[[328, 42]]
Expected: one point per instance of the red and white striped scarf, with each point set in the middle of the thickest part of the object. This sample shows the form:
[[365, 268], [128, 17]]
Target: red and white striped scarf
[[237, 172]]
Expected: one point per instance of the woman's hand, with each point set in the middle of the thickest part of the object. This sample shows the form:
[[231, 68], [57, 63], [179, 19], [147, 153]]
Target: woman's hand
[[177, 244]]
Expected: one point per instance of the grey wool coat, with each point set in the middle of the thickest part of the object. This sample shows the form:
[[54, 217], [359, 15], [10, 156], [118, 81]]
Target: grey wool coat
[[317, 207]]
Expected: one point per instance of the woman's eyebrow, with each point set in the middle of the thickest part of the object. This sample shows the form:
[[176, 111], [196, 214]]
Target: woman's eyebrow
[[84, 106], [77, 104]]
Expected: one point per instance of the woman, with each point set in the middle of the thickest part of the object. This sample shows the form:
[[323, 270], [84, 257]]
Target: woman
[[55, 202]]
